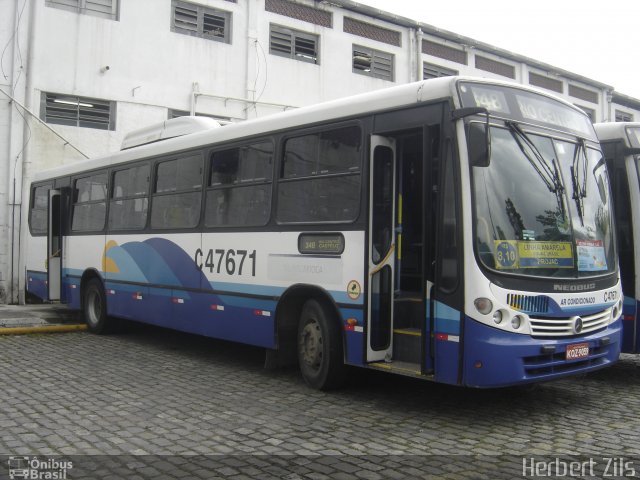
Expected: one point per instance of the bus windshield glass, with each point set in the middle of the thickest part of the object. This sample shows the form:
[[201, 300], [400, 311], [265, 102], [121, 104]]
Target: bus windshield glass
[[542, 207], [634, 136]]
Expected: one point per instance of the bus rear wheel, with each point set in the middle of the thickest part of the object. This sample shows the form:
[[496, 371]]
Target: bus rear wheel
[[94, 306], [320, 347]]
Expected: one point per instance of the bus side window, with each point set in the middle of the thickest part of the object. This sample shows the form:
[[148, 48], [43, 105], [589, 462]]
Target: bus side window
[[320, 177], [90, 206], [129, 202], [239, 187], [39, 204], [178, 192]]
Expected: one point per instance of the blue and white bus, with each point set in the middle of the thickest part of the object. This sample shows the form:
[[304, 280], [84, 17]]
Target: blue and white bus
[[454, 229], [620, 143]]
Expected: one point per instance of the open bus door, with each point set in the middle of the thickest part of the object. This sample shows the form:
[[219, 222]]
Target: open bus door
[[54, 246], [381, 262]]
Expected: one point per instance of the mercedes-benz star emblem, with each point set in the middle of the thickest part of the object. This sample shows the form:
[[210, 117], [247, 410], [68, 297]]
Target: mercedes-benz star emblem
[[577, 325]]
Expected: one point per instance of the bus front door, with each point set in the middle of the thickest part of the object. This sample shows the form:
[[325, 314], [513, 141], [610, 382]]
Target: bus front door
[[54, 246], [381, 262]]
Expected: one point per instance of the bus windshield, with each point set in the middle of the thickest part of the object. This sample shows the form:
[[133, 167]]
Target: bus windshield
[[542, 207]]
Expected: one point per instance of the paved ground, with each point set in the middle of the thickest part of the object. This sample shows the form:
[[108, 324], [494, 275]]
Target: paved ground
[[149, 392], [41, 317]]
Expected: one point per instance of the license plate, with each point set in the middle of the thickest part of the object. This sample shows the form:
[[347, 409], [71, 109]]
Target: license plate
[[577, 351]]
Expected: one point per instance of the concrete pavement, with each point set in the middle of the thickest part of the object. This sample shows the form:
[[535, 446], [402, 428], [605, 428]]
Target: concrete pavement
[[41, 318]]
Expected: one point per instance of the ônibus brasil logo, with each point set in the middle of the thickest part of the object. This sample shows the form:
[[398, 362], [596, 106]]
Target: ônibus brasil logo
[[35, 468]]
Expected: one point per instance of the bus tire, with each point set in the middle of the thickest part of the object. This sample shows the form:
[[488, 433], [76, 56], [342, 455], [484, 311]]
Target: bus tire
[[94, 307], [320, 347]]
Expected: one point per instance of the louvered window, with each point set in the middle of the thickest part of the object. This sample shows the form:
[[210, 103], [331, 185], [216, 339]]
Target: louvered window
[[98, 8], [78, 111], [430, 70], [293, 44], [199, 21], [623, 116], [374, 63]]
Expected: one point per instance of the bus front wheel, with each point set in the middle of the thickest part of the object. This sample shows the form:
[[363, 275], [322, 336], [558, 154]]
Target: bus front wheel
[[94, 306], [320, 347]]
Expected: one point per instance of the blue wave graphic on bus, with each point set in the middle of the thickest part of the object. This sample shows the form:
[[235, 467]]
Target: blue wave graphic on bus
[[155, 261]]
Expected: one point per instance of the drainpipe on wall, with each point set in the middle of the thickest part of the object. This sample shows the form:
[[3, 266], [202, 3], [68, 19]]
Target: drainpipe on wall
[[195, 90], [608, 106], [26, 162], [419, 54], [251, 69]]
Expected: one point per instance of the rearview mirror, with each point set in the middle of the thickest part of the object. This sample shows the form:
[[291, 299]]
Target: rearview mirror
[[479, 144]]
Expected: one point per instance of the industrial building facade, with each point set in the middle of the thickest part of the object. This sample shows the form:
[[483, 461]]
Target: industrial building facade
[[77, 75]]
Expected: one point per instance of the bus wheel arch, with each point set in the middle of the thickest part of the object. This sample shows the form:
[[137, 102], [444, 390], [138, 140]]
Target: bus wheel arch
[[307, 318]]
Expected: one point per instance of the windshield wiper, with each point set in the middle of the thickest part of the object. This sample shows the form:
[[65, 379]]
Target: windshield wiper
[[548, 173], [579, 166]]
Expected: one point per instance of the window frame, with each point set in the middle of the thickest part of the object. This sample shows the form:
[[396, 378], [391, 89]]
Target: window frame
[[82, 8], [279, 178], [47, 114], [374, 68], [75, 203], [622, 116], [153, 185], [200, 12], [146, 195], [208, 187], [294, 35], [441, 71], [32, 196]]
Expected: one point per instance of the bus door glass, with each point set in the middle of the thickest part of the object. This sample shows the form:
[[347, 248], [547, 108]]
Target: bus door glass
[[381, 249], [54, 245]]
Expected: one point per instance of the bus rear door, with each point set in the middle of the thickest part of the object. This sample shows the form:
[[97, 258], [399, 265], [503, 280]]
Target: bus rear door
[[54, 246]]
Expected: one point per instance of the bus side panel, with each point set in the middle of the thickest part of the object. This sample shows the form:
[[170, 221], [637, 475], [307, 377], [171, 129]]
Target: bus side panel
[[71, 289], [37, 284], [155, 280], [36, 279], [353, 336], [629, 325], [446, 343], [238, 319], [637, 349], [126, 301]]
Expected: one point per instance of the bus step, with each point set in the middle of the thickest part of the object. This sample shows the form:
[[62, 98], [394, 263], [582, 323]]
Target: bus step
[[407, 345], [408, 311], [409, 369]]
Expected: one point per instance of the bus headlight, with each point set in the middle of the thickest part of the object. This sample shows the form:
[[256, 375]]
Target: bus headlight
[[497, 317], [483, 305], [516, 322]]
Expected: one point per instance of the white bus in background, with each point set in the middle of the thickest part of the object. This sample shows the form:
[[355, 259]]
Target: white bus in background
[[620, 143], [454, 229]]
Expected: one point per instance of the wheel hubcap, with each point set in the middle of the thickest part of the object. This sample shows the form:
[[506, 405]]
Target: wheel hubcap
[[311, 345]]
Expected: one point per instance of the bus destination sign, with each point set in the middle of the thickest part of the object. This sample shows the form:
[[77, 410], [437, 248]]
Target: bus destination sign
[[520, 105], [321, 243]]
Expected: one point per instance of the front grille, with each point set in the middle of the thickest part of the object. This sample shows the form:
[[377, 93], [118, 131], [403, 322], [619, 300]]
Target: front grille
[[563, 327]]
